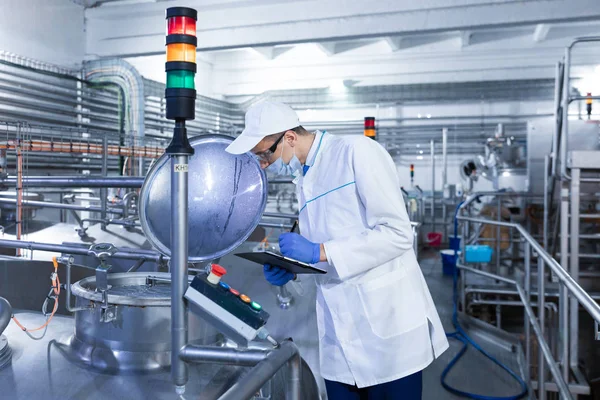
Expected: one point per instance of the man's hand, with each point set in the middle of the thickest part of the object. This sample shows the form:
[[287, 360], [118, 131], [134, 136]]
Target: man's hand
[[277, 276], [299, 248]]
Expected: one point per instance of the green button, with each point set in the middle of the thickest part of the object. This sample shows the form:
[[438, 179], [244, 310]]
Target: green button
[[256, 306]]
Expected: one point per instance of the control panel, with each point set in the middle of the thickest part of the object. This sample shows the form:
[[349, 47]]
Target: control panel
[[229, 311]]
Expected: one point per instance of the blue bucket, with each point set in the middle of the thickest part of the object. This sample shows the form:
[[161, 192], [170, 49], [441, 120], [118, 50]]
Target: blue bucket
[[449, 258], [455, 242]]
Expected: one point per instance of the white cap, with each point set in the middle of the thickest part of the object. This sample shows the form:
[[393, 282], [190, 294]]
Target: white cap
[[263, 119]]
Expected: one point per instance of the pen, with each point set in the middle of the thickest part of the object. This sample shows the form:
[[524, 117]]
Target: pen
[[294, 226]]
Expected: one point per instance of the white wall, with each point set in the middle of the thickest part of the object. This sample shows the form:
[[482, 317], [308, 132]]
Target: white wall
[[153, 67], [47, 30]]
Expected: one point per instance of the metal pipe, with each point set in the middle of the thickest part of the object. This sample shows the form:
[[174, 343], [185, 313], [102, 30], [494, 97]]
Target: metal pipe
[[148, 255], [444, 158], [5, 314], [527, 287], [280, 215], [63, 206], [68, 263], [546, 204], [565, 115], [574, 266], [542, 322], [179, 266], [222, 355], [134, 182], [432, 150], [564, 293], [582, 296], [274, 225], [545, 350], [247, 387], [103, 191]]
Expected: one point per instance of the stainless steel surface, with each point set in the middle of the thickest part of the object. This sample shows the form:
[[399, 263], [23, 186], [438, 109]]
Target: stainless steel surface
[[7, 202], [545, 352], [131, 182], [582, 296], [178, 246], [264, 370], [542, 322], [227, 195], [432, 153], [129, 254], [103, 191], [5, 350], [564, 293], [574, 266], [222, 355], [586, 159], [139, 338], [527, 290], [582, 137]]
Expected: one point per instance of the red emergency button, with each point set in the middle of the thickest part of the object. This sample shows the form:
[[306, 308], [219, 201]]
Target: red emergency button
[[216, 272], [235, 292]]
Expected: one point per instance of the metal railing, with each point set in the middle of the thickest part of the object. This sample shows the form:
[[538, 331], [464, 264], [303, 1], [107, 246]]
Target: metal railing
[[565, 281]]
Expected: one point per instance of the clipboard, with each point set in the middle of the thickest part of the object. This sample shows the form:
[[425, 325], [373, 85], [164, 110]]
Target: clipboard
[[277, 260]]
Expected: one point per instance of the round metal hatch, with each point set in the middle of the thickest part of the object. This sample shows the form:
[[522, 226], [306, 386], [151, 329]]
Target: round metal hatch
[[227, 195]]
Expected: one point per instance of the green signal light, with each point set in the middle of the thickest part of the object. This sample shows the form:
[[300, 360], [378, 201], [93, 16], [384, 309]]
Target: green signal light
[[180, 79], [256, 306]]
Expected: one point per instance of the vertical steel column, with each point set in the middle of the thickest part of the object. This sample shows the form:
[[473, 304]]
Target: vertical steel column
[[542, 322], [179, 268], [432, 145], [527, 288], [498, 217], [564, 292], [444, 179], [565, 114], [463, 276], [104, 191], [546, 202], [574, 265]]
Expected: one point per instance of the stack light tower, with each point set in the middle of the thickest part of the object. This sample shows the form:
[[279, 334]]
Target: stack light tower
[[370, 130], [180, 94]]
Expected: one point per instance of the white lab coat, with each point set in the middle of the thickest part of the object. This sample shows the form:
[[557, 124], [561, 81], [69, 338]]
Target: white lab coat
[[376, 319]]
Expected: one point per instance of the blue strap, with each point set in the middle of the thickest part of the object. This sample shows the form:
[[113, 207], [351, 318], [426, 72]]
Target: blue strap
[[326, 193], [305, 168]]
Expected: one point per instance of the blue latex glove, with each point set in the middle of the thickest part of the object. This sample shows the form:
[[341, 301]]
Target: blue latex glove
[[277, 276], [299, 248]]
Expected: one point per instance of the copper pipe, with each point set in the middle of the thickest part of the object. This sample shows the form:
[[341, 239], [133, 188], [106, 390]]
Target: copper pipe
[[80, 147]]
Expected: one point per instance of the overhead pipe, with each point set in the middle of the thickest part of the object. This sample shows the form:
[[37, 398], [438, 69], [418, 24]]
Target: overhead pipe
[[62, 206], [130, 182]]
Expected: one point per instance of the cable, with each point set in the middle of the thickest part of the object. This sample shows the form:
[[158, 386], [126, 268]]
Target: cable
[[463, 337], [52, 295]]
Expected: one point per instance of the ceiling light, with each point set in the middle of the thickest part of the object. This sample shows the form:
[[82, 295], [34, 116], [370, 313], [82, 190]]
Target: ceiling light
[[419, 157], [428, 115], [337, 86], [418, 115]]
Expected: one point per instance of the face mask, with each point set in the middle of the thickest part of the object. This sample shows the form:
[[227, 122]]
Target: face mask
[[282, 169]]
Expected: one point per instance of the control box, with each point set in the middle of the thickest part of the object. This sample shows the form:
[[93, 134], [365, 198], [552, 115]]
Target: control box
[[229, 311]]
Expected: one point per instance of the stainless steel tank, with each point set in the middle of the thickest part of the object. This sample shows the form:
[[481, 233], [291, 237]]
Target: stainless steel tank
[[138, 336]]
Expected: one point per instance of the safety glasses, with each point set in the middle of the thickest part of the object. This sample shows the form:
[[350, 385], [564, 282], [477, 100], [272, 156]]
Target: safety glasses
[[266, 155]]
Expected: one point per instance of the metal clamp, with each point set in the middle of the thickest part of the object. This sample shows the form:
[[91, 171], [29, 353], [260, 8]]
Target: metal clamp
[[102, 251]]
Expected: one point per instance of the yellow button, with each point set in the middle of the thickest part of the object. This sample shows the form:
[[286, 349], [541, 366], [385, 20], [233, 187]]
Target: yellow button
[[245, 298]]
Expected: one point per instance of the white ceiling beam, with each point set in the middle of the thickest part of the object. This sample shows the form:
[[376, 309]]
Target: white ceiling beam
[[328, 49], [139, 30], [465, 38], [541, 32], [393, 42], [267, 52]]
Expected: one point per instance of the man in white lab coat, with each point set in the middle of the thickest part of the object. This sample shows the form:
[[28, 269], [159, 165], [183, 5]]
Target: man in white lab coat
[[378, 326]]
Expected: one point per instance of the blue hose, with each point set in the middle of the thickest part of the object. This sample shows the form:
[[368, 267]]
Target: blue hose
[[462, 336]]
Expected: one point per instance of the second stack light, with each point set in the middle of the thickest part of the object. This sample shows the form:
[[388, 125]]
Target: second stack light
[[370, 128]]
